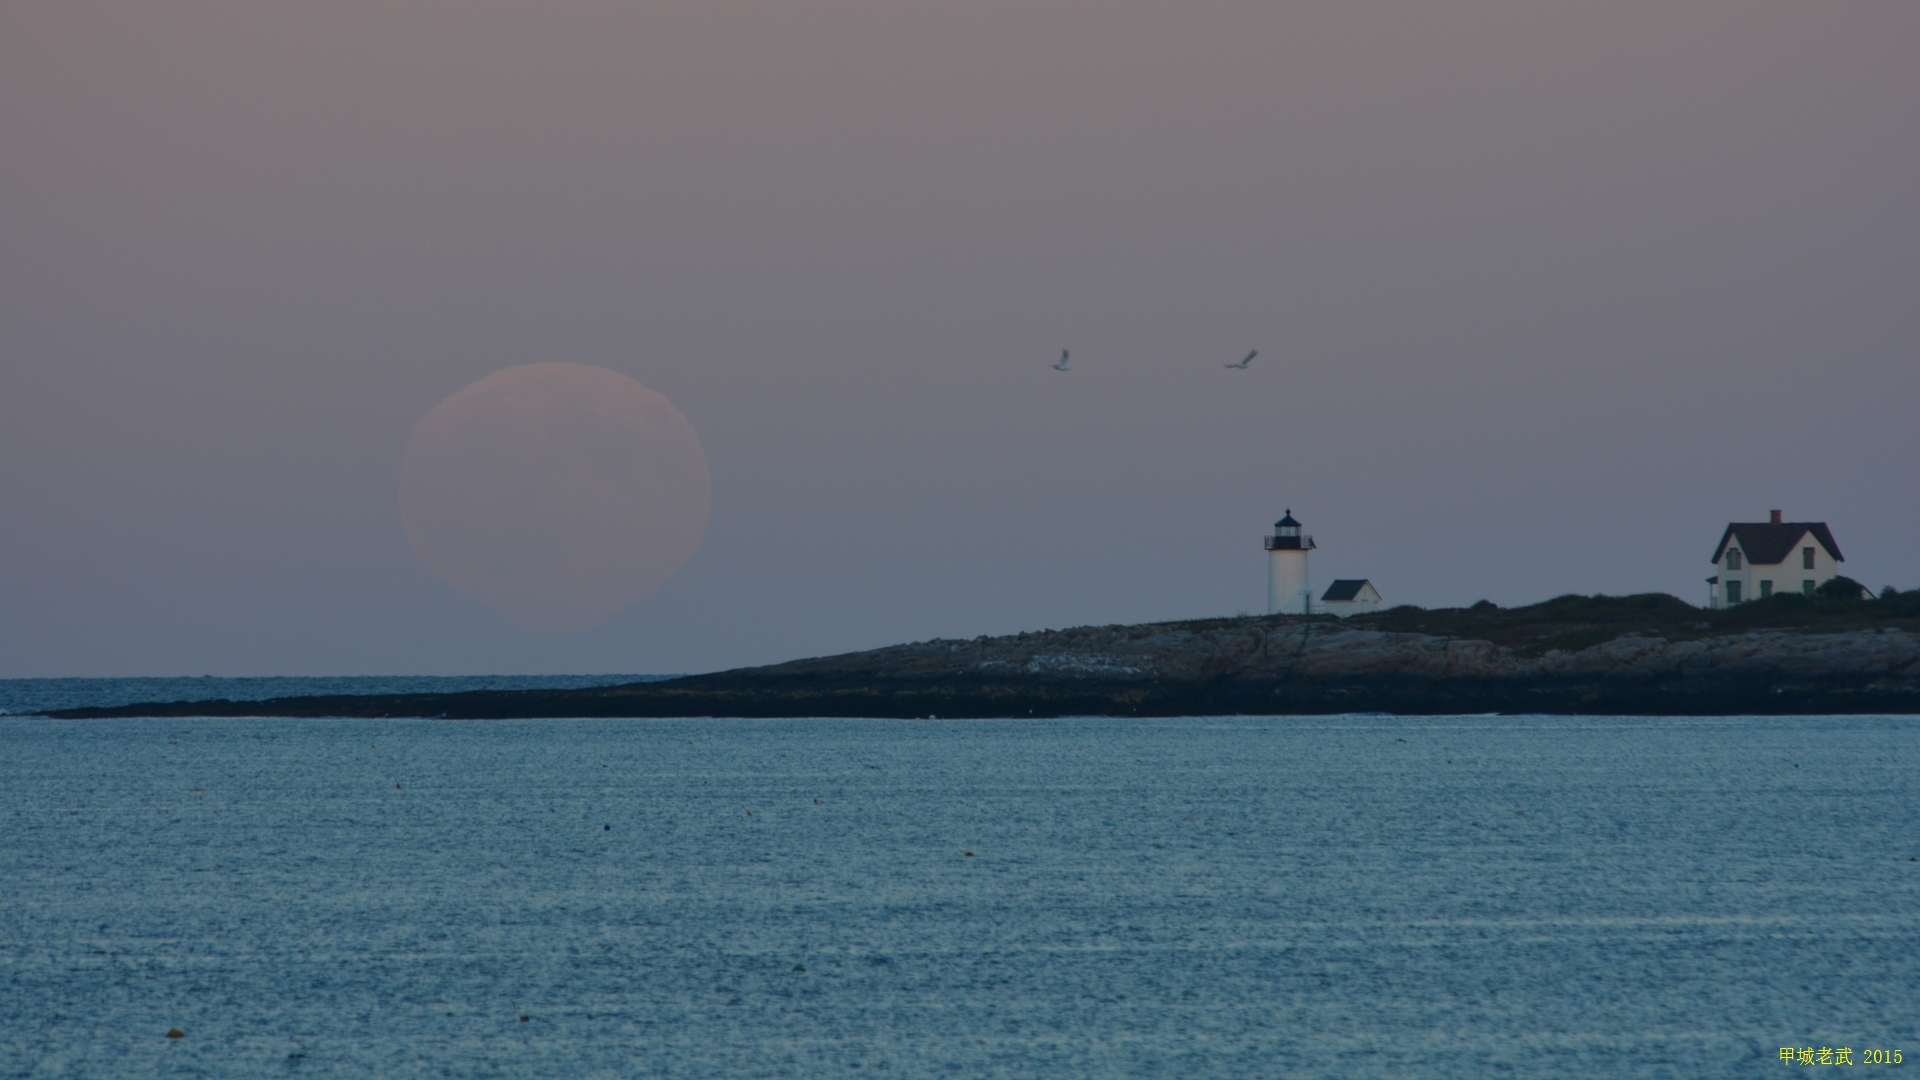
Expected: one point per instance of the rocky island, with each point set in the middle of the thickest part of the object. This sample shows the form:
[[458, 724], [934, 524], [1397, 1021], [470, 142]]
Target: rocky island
[[1650, 654]]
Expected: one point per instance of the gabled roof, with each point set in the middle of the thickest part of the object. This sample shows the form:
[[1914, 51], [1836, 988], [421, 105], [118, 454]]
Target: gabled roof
[[1766, 543], [1347, 589]]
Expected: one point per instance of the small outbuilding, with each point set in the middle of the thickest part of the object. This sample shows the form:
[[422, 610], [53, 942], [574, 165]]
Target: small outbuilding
[[1350, 596], [1759, 558]]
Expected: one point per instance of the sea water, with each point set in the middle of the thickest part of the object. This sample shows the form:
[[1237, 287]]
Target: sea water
[[23, 696], [1226, 897]]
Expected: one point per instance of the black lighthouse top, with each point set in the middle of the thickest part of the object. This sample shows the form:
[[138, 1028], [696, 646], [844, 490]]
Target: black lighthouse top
[[1286, 535]]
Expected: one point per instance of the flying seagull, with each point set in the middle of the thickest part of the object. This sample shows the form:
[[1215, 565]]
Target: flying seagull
[[1062, 365], [1248, 359]]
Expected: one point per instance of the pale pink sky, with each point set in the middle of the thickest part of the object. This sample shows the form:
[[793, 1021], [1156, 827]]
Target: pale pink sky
[[1544, 294]]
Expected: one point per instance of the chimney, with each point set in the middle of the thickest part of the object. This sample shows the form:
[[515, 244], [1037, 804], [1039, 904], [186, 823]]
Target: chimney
[[1776, 516]]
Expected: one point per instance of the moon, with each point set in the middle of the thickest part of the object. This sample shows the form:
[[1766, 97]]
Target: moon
[[555, 494]]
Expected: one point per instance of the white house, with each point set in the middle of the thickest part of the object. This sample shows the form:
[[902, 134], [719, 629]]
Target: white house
[[1350, 596], [1759, 558]]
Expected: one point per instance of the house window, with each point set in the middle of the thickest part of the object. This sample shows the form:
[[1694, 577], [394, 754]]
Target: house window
[[1807, 587], [1766, 589], [1733, 558], [1806, 558], [1733, 592]]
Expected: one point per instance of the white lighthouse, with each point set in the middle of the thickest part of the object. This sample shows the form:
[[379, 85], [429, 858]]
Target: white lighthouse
[[1287, 568]]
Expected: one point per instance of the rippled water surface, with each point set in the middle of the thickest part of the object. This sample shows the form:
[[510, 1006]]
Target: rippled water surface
[[1236, 897], [20, 696]]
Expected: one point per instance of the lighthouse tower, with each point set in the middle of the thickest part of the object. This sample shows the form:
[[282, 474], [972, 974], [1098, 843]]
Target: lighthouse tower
[[1287, 568]]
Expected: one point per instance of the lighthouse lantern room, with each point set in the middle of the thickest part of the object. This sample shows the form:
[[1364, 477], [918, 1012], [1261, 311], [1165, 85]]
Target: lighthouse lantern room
[[1287, 592]]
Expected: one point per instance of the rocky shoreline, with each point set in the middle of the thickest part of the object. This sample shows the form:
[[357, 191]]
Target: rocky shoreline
[[1649, 655]]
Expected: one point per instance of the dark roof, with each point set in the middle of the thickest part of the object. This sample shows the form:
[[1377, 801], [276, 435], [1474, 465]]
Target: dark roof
[[1345, 589], [1765, 543], [1288, 520]]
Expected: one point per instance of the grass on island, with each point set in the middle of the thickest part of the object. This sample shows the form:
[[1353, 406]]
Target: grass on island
[[1574, 622]]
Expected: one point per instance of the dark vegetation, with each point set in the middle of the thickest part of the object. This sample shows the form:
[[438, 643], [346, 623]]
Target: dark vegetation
[[1573, 622]]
